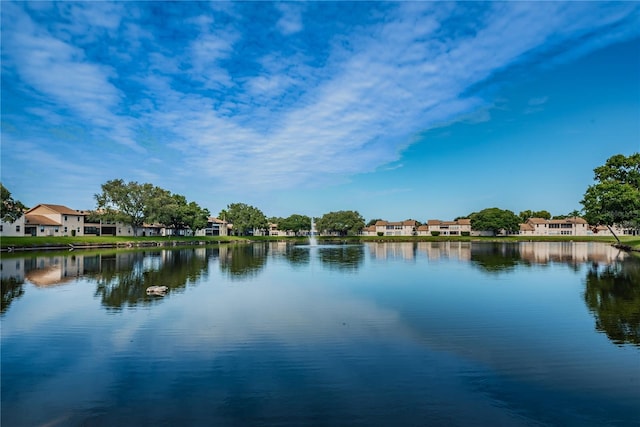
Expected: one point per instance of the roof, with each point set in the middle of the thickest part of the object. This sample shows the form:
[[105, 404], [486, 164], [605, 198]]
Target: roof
[[408, 223], [61, 209], [461, 221], [215, 220], [538, 220], [33, 219], [423, 228], [526, 227]]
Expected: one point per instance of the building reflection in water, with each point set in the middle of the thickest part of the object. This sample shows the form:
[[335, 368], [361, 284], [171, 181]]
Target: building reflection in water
[[611, 291]]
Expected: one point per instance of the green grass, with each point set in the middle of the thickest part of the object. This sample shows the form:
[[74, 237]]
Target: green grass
[[79, 241]]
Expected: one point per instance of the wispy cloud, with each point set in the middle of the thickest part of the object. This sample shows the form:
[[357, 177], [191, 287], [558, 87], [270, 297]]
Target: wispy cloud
[[275, 104]]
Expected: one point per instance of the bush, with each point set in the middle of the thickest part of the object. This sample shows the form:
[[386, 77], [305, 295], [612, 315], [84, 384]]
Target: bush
[[380, 234], [465, 233], [435, 233]]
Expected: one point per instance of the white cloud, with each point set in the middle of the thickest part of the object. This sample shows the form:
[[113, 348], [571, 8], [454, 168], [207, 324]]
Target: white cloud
[[290, 120], [291, 20]]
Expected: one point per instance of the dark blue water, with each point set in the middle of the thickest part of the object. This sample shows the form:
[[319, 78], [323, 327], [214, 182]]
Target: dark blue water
[[425, 334]]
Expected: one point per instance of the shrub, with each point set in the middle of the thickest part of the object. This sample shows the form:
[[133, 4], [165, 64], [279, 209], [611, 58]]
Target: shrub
[[380, 234], [435, 233], [465, 233]]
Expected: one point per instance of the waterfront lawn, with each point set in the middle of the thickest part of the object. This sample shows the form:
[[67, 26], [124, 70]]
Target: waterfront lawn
[[79, 241]]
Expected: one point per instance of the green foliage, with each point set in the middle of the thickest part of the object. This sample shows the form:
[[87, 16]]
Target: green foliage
[[525, 215], [135, 204], [11, 209], [245, 218], [341, 222], [615, 197], [435, 233], [295, 223], [131, 203], [613, 296], [495, 220], [380, 233], [174, 211], [465, 233]]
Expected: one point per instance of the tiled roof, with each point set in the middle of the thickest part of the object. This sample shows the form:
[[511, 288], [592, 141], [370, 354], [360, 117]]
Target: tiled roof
[[60, 209], [33, 219], [526, 227], [537, 220]]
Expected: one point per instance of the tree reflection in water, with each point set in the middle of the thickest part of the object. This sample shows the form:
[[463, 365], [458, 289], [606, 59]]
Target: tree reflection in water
[[242, 261], [12, 288], [496, 257], [612, 294], [612, 283], [124, 277], [342, 257]]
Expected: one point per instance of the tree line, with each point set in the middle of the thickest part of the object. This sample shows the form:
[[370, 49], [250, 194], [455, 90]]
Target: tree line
[[614, 198]]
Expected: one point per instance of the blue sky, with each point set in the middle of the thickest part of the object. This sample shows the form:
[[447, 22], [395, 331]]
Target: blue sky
[[397, 110]]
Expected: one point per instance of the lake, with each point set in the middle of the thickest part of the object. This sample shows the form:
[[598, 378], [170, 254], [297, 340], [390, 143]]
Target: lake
[[274, 334]]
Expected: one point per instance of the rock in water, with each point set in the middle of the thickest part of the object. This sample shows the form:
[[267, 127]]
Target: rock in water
[[157, 290]]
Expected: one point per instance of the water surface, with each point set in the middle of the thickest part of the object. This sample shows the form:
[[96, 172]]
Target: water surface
[[275, 334]]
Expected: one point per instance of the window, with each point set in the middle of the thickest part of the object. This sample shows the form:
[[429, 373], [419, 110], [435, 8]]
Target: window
[[554, 225], [17, 228], [65, 217], [65, 229], [42, 228], [1, 226], [566, 226], [56, 229]]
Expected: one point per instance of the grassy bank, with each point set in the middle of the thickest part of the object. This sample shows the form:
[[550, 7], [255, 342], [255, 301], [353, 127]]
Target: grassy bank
[[78, 242]]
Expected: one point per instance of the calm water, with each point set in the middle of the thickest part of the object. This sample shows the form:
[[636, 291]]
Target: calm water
[[408, 334]]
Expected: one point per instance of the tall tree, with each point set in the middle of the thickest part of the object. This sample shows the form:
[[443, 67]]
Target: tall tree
[[495, 220], [244, 218], [11, 209], [295, 223], [525, 215], [196, 218], [131, 203], [342, 222], [615, 197]]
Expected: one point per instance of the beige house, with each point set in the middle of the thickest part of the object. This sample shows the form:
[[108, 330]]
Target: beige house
[[402, 228], [448, 228], [53, 220], [215, 227], [369, 231], [574, 226]]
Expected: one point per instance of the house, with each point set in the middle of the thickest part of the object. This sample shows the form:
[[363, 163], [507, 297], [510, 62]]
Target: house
[[458, 227], [53, 220], [369, 231], [12, 229], [215, 227], [574, 226], [423, 230], [402, 228]]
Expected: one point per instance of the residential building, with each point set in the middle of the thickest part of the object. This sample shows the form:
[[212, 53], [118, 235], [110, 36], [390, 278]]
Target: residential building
[[53, 220], [215, 227], [574, 226], [449, 228], [12, 229], [369, 231], [402, 228]]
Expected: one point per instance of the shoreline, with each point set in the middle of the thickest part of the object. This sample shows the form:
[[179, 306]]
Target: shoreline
[[629, 243]]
